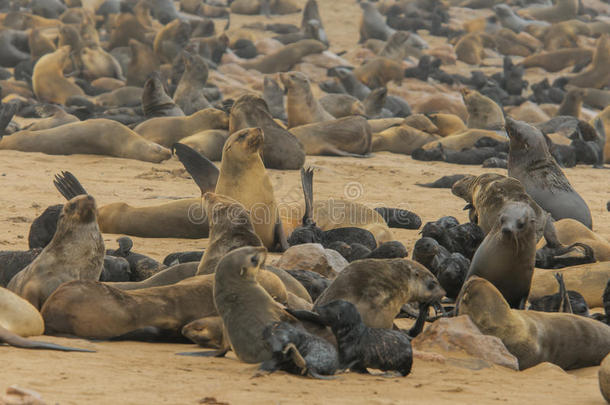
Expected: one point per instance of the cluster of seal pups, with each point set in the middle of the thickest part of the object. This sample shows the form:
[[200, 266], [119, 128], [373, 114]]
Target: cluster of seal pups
[[144, 80]]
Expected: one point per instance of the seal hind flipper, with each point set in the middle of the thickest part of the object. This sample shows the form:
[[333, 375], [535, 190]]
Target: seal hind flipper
[[204, 172], [68, 185], [565, 305], [14, 340], [7, 111], [307, 184]]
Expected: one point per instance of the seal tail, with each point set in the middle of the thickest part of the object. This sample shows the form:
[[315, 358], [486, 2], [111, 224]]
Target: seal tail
[[307, 184], [202, 170], [68, 185], [15, 340]]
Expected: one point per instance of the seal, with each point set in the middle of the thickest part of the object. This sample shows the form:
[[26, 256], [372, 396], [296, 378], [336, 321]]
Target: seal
[[281, 149], [372, 24], [530, 162], [557, 60], [471, 47], [571, 302], [298, 352], [401, 139], [361, 346], [447, 124], [378, 301], [141, 266], [75, 252], [55, 116], [209, 143], [284, 59], [507, 255], [155, 101], [189, 93], [531, 336], [572, 103], [596, 76], [570, 231], [244, 306], [48, 81], [142, 63], [341, 105], [301, 106], [562, 10], [273, 95], [95, 136], [206, 332], [243, 177], [483, 112], [348, 136], [166, 131], [377, 72]]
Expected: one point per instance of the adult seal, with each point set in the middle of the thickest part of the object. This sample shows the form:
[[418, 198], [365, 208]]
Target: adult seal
[[507, 255], [530, 161], [76, 252], [48, 80], [245, 307], [531, 336]]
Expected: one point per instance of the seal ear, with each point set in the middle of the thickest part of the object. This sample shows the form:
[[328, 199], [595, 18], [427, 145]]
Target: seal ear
[[204, 172]]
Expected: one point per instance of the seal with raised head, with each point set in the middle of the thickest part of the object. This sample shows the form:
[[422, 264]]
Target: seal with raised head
[[48, 81], [245, 307], [597, 75], [530, 161], [380, 287], [76, 252], [507, 255], [301, 106], [189, 93], [155, 101], [531, 336]]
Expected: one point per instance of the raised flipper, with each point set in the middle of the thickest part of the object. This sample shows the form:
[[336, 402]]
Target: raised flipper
[[564, 305], [202, 170], [307, 184], [8, 337], [68, 185]]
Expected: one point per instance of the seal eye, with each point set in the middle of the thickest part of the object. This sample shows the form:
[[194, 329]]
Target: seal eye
[[254, 260], [520, 224], [431, 285]]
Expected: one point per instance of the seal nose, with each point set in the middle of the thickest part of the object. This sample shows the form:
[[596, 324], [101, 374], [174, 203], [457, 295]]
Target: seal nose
[[507, 230]]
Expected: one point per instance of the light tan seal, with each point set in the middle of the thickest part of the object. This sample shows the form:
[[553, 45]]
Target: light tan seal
[[483, 112], [168, 130], [348, 136], [567, 340], [380, 287], [377, 72], [562, 10], [401, 139], [48, 80], [76, 252], [95, 136], [555, 61], [244, 306], [301, 106], [284, 59], [597, 75], [209, 143]]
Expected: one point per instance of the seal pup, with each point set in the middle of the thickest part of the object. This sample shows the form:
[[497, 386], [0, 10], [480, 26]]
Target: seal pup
[[299, 352], [243, 177], [507, 255], [244, 306], [48, 81], [361, 346], [530, 162], [571, 302], [155, 101], [281, 149], [76, 252], [380, 287], [301, 106], [531, 336]]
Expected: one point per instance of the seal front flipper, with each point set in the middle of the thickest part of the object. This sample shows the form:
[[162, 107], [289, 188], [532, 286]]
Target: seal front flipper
[[204, 172], [304, 315], [68, 185], [14, 340], [7, 111], [281, 243], [564, 305], [418, 327], [208, 353]]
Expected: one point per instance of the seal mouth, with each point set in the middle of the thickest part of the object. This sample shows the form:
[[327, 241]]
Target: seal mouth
[[511, 128]]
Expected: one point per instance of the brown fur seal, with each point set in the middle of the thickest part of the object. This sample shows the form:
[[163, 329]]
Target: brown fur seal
[[39, 44], [507, 255], [206, 332], [571, 231], [380, 287], [95, 62], [170, 40], [142, 63], [56, 116], [588, 279], [168, 130], [471, 47], [284, 59], [301, 106], [604, 116], [372, 24], [209, 143], [155, 101], [483, 112], [95, 136], [555, 61], [567, 340], [604, 378], [48, 81], [447, 124], [401, 139], [76, 252], [281, 149], [465, 139], [341, 105], [562, 10], [189, 93], [597, 75], [572, 103], [244, 306], [530, 161], [377, 72], [349, 136], [128, 96]]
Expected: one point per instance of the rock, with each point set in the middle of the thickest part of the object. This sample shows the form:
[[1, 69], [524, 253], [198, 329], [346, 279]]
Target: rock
[[604, 378], [455, 334], [20, 396], [313, 257]]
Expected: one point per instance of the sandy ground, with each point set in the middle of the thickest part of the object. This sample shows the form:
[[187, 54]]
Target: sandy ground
[[140, 373]]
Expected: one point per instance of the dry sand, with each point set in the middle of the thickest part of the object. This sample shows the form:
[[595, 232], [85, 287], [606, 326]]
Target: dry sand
[[141, 373]]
